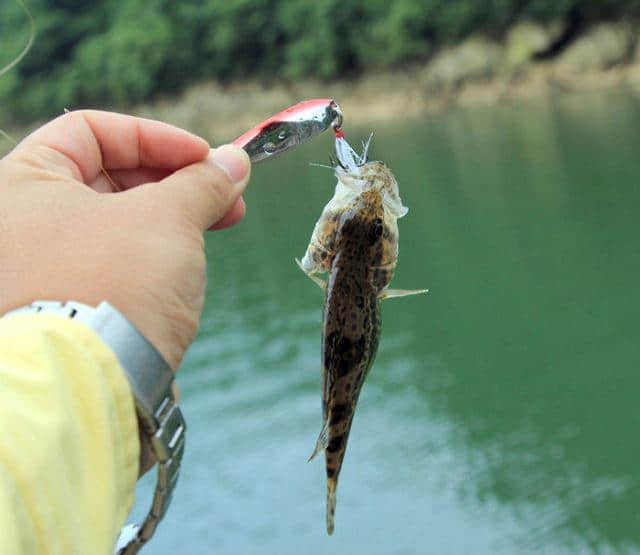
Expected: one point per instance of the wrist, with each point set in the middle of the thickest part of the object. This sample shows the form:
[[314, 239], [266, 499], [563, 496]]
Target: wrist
[[160, 421]]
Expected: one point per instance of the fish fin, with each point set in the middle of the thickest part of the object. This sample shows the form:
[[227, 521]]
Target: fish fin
[[320, 282], [331, 504], [391, 293], [323, 441]]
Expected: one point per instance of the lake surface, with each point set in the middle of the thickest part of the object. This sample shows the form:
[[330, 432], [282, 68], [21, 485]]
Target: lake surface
[[502, 414]]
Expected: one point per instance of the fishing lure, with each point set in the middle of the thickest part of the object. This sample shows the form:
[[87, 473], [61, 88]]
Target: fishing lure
[[356, 242], [289, 128]]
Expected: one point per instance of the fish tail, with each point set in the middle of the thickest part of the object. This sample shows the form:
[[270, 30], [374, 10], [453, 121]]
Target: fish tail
[[331, 504], [323, 441]]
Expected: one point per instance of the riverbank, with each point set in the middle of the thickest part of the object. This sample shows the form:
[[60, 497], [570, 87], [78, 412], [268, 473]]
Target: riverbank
[[475, 72]]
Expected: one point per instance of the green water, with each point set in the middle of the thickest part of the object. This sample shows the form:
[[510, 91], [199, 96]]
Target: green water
[[502, 413]]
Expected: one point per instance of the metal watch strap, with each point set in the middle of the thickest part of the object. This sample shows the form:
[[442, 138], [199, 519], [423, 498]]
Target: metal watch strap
[[151, 381]]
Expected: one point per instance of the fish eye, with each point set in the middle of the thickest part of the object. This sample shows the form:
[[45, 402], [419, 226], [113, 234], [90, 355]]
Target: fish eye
[[376, 230]]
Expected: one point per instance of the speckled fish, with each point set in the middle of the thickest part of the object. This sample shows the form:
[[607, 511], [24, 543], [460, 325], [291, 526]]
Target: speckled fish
[[356, 242]]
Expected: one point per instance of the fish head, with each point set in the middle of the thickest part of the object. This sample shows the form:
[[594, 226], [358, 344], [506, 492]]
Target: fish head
[[359, 175]]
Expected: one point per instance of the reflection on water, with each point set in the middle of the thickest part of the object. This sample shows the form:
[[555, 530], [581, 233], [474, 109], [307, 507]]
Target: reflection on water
[[501, 414]]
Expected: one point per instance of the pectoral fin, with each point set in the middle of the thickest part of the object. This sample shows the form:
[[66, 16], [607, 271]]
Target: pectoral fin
[[320, 282], [323, 441], [392, 293]]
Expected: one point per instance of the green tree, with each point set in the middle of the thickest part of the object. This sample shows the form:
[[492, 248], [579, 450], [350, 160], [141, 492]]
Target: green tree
[[123, 51]]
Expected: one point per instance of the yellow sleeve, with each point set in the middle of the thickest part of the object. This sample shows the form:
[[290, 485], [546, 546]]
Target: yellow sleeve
[[68, 439]]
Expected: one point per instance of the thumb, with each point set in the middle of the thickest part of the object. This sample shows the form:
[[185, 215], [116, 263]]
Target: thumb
[[205, 191]]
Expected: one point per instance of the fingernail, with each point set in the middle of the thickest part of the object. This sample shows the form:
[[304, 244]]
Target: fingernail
[[232, 160]]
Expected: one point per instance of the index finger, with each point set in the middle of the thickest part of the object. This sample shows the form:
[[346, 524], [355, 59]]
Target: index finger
[[91, 140]]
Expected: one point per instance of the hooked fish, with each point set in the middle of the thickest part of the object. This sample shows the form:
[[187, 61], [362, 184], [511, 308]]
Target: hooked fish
[[356, 242]]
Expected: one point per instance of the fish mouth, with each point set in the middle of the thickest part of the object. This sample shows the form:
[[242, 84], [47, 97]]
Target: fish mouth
[[356, 172], [348, 159]]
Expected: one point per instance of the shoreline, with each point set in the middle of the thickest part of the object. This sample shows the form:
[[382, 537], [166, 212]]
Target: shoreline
[[219, 113], [476, 72]]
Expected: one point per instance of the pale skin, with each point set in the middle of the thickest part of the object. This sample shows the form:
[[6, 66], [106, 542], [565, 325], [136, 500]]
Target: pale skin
[[135, 239]]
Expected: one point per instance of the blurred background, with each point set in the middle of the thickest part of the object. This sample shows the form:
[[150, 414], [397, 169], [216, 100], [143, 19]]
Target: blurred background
[[500, 415], [216, 67]]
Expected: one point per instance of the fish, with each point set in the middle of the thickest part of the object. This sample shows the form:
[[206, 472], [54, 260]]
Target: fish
[[355, 241]]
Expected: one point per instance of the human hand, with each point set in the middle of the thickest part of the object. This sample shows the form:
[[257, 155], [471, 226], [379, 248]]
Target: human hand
[[140, 249]]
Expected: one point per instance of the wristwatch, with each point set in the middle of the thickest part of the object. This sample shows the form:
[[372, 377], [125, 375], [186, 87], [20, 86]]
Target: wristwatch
[[160, 420]]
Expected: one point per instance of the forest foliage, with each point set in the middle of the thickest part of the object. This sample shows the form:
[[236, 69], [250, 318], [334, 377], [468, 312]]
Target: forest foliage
[[117, 52]]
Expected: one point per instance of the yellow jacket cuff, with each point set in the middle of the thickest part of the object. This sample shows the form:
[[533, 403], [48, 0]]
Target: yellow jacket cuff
[[69, 447]]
